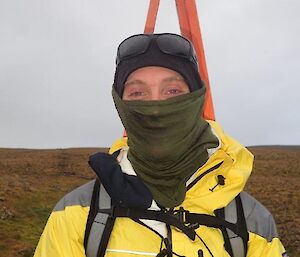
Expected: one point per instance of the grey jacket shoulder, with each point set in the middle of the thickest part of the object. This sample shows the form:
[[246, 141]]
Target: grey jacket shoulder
[[80, 196], [259, 220]]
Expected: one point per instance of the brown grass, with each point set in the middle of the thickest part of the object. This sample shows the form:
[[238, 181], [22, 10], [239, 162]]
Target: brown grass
[[32, 181], [275, 182]]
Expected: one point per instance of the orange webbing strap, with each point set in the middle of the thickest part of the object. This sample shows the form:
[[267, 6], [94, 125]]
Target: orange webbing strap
[[190, 28], [151, 17]]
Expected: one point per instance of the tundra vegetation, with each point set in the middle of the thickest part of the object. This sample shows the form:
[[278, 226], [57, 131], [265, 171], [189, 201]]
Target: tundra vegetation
[[32, 181]]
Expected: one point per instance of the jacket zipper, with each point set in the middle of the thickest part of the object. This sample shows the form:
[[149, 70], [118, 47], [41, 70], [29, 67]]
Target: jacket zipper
[[203, 174]]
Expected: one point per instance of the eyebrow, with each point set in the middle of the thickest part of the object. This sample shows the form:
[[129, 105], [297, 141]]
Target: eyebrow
[[168, 79], [135, 81]]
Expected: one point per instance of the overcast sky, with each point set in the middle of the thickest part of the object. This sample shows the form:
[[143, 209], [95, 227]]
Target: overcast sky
[[57, 65]]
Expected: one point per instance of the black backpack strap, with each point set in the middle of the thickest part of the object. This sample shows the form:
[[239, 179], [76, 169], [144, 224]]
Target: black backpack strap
[[94, 207], [99, 225], [101, 219], [137, 214], [105, 236], [220, 213], [241, 222], [235, 241], [182, 219]]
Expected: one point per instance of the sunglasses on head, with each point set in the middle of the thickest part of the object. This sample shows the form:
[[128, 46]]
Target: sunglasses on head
[[167, 43]]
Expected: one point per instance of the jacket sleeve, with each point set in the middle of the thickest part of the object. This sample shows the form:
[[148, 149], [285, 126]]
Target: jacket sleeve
[[64, 234], [263, 236], [260, 247]]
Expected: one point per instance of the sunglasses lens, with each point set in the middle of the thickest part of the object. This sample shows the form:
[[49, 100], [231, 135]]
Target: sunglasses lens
[[171, 44], [132, 46], [174, 45]]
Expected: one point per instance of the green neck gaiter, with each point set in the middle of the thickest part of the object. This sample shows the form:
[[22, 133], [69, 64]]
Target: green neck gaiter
[[167, 141]]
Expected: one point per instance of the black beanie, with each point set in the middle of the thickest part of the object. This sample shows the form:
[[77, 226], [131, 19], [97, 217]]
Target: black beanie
[[154, 57]]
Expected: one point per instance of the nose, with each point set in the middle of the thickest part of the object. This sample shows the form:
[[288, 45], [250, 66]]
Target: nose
[[156, 95]]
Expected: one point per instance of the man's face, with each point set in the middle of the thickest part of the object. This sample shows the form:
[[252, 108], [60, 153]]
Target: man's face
[[154, 83]]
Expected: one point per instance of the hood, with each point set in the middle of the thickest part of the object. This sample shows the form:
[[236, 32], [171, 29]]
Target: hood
[[231, 160]]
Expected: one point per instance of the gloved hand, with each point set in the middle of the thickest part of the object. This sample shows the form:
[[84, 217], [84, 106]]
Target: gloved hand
[[125, 190]]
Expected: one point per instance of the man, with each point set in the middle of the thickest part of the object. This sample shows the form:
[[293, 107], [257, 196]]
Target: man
[[174, 172]]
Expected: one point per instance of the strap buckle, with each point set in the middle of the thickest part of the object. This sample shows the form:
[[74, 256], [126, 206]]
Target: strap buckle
[[182, 215]]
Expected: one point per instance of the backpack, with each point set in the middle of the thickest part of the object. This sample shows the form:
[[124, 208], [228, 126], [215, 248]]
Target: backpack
[[230, 220]]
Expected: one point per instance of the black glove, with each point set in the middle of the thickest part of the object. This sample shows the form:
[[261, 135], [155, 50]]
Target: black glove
[[125, 190]]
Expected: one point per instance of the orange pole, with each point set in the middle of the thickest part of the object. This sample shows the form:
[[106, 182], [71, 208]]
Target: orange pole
[[190, 28], [151, 17], [183, 20]]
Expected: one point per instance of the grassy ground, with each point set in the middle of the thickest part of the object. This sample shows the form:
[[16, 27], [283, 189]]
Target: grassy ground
[[275, 182], [32, 181]]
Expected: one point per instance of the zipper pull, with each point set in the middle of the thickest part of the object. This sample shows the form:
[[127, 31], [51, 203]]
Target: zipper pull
[[200, 253], [221, 182]]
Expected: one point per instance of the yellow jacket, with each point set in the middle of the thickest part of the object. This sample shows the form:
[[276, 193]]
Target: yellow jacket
[[64, 232]]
